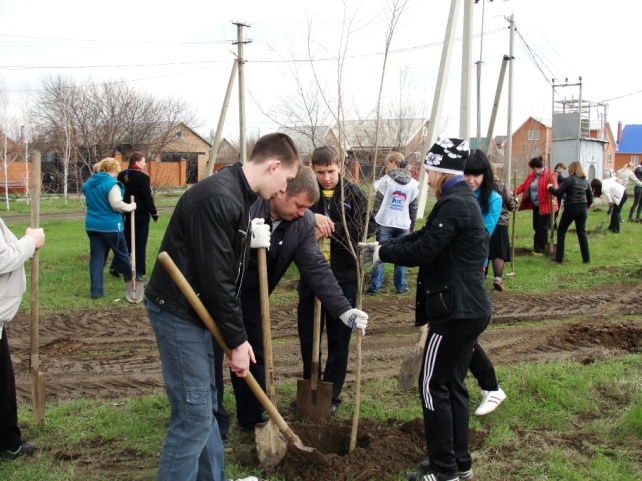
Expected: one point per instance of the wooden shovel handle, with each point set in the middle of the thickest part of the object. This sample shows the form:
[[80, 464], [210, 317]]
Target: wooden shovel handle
[[207, 319], [265, 324], [316, 339]]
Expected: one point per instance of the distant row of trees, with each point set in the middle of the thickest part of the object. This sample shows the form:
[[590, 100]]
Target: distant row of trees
[[76, 124]]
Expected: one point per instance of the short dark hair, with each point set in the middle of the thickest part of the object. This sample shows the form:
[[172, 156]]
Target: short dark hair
[[536, 162], [476, 164], [276, 146], [305, 182], [560, 164], [324, 155]]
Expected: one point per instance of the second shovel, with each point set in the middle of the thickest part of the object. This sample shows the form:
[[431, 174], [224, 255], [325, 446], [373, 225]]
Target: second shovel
[[314, 397]]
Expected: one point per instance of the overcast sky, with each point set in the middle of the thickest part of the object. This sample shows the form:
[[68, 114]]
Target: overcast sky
[[183, 49]]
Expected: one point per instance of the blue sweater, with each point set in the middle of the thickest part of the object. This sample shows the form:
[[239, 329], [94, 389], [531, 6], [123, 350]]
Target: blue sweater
[[100, 216]]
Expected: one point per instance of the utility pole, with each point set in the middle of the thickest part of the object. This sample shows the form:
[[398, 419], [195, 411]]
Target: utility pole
[[241, 62], [438, 100], [493, 115], [219, 128], [479, 66], [466, 73], [509, 127]]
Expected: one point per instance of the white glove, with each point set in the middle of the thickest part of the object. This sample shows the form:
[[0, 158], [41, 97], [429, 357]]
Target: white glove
[[355, 319], [260, 234], [370, 253]]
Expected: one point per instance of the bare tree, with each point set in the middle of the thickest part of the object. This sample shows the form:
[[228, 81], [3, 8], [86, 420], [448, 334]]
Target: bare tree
[[87, 121]]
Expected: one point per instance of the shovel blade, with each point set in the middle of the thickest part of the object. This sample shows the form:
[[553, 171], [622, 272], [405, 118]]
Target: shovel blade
[[409, 372], [271, 445], [134, 295], [313, 404]]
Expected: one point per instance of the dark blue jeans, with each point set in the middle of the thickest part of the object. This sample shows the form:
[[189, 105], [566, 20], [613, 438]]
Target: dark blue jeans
[[99, 243], [142, 234], [399, 279]]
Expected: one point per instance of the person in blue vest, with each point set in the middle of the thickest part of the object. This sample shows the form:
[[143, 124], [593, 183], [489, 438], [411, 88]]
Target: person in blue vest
[[104, 223]]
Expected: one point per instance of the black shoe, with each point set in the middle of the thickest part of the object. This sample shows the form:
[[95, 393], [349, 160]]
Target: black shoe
[[371, 291], [425, 473], [227, 444], [114, 273], [26, 449], [292, 406]]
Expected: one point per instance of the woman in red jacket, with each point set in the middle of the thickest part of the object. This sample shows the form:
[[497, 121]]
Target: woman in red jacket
[[537, 197]]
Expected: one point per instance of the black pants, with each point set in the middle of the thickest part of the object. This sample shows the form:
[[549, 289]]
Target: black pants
[[637, 198], [249, 411], [444, 396], [614, 226], [338, 336], [541, 226], [10, 436], [482, 369], [577, 213]]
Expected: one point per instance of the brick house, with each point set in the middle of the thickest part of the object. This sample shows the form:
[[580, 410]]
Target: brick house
[[629, 145]]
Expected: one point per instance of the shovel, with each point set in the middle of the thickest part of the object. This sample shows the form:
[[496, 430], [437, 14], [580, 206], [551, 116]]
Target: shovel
[[411, 365], [133, 290], [312, 454], [270, 445], [313, 397]]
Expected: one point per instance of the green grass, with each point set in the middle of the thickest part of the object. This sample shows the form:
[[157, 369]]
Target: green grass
[[565, 421]]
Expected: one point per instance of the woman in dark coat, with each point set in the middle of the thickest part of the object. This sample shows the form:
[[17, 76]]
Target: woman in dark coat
[[578, 197], [138, 185], [450, 251]]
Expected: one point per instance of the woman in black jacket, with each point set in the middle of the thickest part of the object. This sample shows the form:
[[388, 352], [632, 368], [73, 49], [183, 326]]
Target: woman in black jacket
[[450, 251], [137, 184], [577, 199]]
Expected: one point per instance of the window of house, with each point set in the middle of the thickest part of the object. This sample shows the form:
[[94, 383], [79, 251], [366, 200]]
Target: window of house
[[635, 159], [609, 159], [533, 135], [179, 134]]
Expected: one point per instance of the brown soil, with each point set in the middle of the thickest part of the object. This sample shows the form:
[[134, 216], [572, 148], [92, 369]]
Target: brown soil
[[113, 354]]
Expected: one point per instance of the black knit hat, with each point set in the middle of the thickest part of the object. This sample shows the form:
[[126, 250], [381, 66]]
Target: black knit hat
[[447, 156]]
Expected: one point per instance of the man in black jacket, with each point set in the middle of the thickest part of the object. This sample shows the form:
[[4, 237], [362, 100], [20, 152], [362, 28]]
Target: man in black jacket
[[340, 200], [293, 238], [209, 237]]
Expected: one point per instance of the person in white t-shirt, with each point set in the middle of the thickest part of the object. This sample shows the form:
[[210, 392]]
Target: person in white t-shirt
[[395, 211], [615, 192]]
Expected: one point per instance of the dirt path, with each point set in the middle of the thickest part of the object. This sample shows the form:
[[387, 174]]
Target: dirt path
[[113, 354]]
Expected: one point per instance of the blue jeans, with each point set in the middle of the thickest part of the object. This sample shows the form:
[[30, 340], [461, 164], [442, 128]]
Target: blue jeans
[[193, 450], [99, 245], [376, 278]]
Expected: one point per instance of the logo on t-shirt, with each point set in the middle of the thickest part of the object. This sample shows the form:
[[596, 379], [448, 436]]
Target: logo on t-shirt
[[398, 200]]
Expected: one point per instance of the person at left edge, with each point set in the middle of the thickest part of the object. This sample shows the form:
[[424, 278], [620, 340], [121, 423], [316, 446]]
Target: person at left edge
[[14, 253], [209, 237], [293, 238]]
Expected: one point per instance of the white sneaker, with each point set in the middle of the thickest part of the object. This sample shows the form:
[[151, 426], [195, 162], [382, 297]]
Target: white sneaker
[[490, 401], [251, 478]]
